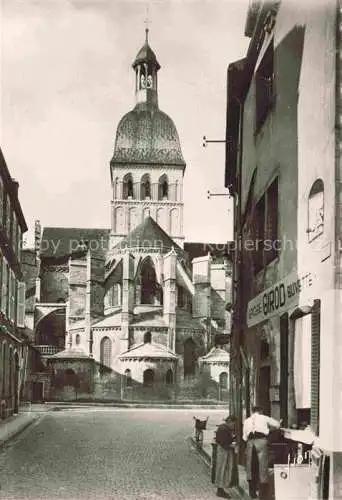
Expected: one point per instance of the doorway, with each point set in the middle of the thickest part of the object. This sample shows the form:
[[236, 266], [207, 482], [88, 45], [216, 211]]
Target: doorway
[[37, 391]]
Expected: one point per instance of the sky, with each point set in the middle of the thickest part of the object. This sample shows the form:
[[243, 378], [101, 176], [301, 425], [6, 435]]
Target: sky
[[66, 80]]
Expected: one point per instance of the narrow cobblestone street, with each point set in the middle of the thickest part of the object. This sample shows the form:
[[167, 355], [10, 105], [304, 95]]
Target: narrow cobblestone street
[[107, 454]]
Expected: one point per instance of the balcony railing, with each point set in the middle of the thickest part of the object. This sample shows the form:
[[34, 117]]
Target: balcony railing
[[48, 350]]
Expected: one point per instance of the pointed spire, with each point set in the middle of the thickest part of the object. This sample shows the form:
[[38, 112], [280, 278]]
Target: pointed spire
[[147, 22]]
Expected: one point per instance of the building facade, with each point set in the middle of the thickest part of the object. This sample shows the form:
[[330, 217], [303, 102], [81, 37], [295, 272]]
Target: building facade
[[128, 312], [283, 168], [14, 345]]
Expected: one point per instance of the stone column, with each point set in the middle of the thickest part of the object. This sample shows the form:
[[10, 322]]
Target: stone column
[[170, 262], [127, 299], [201, 304]]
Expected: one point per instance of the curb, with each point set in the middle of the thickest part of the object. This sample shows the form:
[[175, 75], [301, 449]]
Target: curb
[[15, 433], [62, 405], [207, 460]]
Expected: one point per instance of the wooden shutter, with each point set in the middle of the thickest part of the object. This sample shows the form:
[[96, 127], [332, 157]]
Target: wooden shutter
[[315, 364], [4, 290], [284, 362], [21, 305]]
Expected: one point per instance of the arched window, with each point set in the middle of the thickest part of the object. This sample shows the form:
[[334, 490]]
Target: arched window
[[116, 295], [148, 282], [106, 352], [128, 378], [316, 210], [148, 377], [116, 188], [145, 188], [224, 380], [190, 357], [163, 188], [147, 338], [169, 377], [127, 187], [78, 339]]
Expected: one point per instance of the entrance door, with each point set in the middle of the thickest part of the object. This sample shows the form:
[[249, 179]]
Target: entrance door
[[37, 391]]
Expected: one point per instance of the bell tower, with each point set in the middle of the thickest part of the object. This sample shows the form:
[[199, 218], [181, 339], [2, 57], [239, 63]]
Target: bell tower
[[147, 167]]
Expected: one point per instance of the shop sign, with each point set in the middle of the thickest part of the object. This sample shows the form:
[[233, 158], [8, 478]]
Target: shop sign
[[277, 299]]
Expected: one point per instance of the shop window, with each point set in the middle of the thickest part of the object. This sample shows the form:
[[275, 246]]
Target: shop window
[[163, 188], [316, 210], [169, 377], [145, 189], [148, 377], [127, 187], [190, 358], [106, 352], [264, 88]]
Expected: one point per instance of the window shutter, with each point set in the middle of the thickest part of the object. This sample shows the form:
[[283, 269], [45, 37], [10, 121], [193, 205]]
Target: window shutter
[[9, 295], [4, 287], [315, 364], [284, 359], [21, 305]]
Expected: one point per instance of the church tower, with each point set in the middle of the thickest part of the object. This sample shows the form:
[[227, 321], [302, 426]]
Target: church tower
[[147, 167]]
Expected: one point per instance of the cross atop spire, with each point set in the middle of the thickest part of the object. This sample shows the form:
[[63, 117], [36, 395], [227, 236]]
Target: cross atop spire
[[147, 22]]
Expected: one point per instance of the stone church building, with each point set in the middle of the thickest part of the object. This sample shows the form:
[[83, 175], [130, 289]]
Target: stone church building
[[134, 312]]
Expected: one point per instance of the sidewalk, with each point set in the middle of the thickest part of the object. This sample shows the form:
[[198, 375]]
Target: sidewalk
[[206, 452], [15, 424]]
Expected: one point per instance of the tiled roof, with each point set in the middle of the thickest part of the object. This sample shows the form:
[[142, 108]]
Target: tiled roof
[[149, 351], [110, 320], [216, 354], [147, 135], [60, 242], [149, 235], [70, 354]]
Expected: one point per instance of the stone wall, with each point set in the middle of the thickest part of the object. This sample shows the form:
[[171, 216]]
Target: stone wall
[[54, 283]]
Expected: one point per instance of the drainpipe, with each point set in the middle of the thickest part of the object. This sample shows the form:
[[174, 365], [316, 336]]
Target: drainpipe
[[237, 282]]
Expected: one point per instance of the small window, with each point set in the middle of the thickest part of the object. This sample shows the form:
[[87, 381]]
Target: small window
[[145, 187], [259, 233], [127, 187], [147, 338], [128, 378], [316, 210], [224, 380], [78, 339], [148, 377], [271, 229], [163, 188], [169, 377]]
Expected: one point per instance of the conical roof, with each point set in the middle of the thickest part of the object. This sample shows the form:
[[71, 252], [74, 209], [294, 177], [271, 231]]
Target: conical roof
[[149, 235], [149, 350], [147, 55]]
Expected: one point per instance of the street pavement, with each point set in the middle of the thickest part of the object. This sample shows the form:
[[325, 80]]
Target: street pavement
[[107, 454]]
